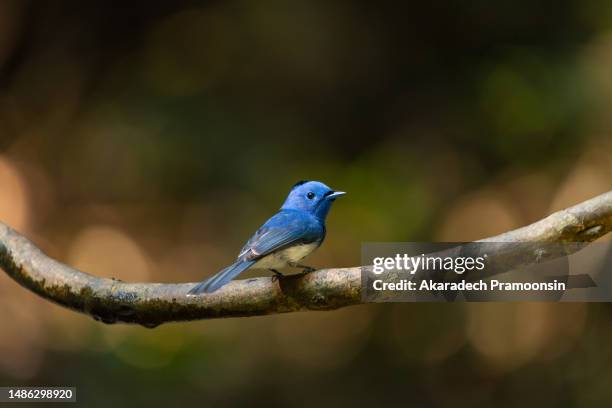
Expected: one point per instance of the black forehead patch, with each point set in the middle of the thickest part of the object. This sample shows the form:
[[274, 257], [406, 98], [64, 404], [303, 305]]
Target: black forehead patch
[[299, 183]]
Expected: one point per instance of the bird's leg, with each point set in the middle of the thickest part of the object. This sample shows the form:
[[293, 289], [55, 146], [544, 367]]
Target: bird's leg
[[277, 275], [305, 268]]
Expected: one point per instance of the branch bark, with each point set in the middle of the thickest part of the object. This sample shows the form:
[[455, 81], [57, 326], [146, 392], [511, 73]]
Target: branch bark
[[151, 304]]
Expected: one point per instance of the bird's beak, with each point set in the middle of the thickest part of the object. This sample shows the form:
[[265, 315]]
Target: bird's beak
[[335, 195]]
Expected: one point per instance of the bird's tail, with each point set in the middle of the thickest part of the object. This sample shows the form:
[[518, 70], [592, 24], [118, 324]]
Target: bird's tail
[[220, 278]]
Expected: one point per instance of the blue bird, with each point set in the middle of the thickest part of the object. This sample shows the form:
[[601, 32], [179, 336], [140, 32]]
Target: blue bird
[[285, 239]]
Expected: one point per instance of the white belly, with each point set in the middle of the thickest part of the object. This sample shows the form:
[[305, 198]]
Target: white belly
[[282, 258]]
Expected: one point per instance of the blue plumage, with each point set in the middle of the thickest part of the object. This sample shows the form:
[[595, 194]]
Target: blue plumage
[[285, 239]]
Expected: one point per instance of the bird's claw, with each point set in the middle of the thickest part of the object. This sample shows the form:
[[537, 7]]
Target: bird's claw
[[277, 275], [305, 268]]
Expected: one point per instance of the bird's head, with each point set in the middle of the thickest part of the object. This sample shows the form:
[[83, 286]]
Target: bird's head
[[311, 196]]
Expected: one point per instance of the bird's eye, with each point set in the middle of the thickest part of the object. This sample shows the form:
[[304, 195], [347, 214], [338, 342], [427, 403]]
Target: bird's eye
[[310, 195]]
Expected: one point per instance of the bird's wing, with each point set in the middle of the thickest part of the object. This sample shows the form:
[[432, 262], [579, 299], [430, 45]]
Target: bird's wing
[[282, 230]]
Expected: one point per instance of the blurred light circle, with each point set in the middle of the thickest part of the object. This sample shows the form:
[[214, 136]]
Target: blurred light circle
[[145, 350], [13, 196], [584, 181], [107, 251], [21, 339], [510, 335], [477, 216]]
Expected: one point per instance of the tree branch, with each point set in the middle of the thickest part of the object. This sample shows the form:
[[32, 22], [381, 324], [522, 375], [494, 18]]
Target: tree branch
[[151, 304]]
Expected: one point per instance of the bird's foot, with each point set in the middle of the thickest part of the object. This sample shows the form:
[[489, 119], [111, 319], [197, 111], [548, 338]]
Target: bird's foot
[[277, 275]]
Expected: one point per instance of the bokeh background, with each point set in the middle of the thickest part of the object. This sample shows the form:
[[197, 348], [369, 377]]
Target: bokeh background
[[146, 140]]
